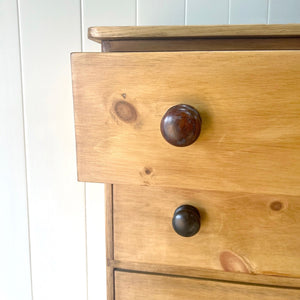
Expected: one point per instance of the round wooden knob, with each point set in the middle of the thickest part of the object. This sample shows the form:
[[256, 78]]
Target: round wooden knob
[[186, 220], [181, 125]]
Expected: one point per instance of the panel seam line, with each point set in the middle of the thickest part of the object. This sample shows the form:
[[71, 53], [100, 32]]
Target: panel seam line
[[84, 184], [24, 144]]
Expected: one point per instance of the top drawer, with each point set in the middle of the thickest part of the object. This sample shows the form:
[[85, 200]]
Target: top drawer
[[249, 102]]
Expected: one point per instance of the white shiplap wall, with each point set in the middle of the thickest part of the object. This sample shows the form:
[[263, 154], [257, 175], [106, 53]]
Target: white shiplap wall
[[14, 247], [49, 31], [51, 226]]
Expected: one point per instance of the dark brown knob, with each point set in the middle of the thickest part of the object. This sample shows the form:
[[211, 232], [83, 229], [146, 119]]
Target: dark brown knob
[[181, 125], [186, 220]]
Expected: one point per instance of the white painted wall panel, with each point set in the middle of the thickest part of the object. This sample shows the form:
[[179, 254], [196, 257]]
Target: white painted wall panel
[[50, 30], [207, 12], [284, 11], [248, 12], [15, 281], [160, 12], [96, 250], [106, 13]]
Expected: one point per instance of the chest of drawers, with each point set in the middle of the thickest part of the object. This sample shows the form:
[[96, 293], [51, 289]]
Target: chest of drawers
[[196, 132]]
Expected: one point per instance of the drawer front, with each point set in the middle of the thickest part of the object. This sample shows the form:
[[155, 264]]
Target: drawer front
[[249, 103], [130, 286], [239, 232]]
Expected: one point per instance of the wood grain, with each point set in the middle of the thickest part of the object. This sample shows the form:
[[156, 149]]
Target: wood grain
[[194, 272], [146, 286], [109, 241], [109, 221], [201, 44], [149, 32], [240, 232], [248, 102]]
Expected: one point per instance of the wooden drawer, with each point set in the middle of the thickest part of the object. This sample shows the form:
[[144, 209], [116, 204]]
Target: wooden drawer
[[136, 286], [240, 232], [249, 102]]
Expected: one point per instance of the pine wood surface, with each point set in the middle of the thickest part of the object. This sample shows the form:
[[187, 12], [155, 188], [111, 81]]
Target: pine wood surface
[[137, 286], [240, 232], [109, 241], [248, 101], [149, 32]]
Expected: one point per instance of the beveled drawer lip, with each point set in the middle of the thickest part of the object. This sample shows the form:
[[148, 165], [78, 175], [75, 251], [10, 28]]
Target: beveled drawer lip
[[140, 284], [198, 273]]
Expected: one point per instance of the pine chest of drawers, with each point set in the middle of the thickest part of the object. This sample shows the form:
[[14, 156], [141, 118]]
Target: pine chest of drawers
[[196, 132]]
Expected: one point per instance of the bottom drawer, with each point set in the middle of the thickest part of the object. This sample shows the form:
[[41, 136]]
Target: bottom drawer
[[136, 286]]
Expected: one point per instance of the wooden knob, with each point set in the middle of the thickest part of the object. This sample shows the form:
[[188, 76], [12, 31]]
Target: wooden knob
[[186, 220], [181, 125]]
